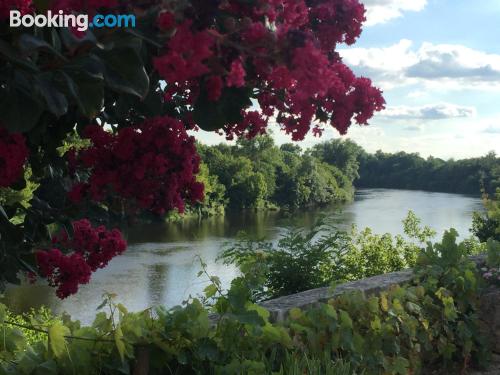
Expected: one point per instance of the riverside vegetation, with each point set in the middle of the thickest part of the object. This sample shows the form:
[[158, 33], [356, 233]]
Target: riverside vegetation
[[429, 324], [258, 174]]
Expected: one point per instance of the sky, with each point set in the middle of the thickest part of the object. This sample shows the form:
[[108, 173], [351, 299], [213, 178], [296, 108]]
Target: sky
[[438, 63]]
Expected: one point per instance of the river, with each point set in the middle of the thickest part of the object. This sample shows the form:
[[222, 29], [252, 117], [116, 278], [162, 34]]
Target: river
[[160, 265]]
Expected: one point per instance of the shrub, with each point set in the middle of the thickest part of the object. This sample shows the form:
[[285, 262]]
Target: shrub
[[486, 226], [307, 259]]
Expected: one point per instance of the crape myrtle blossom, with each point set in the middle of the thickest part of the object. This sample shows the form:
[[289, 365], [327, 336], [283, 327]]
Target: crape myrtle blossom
[[91, 249], [152, 166], [285, 50]]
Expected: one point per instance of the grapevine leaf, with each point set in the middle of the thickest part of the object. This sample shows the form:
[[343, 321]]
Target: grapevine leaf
[[120, 345], [57, 342], [210, 291]]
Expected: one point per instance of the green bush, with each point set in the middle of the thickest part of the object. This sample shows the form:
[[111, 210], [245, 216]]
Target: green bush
[[487, 226], [307, 259]]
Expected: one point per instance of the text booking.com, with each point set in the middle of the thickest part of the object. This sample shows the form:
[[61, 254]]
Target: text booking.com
[[80, 22]]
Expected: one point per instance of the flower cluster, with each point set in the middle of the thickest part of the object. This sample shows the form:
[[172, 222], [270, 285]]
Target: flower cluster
[[284, 49], [491, 275], [64, 272], [24, 6], [92, 249], [151, 166], [13, 156]]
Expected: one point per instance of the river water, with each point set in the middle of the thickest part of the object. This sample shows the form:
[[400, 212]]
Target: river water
[[160, 265]]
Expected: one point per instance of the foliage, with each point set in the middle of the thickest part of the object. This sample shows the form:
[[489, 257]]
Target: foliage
[[486, 226], [410, 171], [101, 116], [342, 153], [308, 259], [215, 199], [17, 200], [42, 316], [258, 174], [430, 324], [299, 365], [446, 267], [491, 270]]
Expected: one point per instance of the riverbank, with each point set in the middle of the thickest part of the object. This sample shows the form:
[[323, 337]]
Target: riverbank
[[159, 267]]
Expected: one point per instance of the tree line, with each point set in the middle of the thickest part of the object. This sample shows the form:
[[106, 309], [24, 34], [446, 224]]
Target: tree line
[[259, 174], [411, 171]]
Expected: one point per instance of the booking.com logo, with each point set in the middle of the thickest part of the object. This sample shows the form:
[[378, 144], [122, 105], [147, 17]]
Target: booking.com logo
[[79, 22]]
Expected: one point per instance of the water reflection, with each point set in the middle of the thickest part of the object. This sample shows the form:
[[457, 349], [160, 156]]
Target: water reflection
[[161, 266]]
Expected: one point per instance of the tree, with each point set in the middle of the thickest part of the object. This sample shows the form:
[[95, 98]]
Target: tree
[[132, 94], [341, 153]]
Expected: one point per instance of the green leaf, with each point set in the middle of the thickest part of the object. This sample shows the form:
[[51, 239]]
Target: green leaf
[[375, 324], [47, 368], [88, 92], [20, 111], [210, 115], [125, 71], [84, 81], [210, 291], [401, 366], [16, 58], [57, 342], [345, 320], [56, 101], [413, 307], [120, 345], [29, 360], [249, 317], [373, 305], [295, 313], [263, 312], [207, 349], [122, 308], [30, 43]]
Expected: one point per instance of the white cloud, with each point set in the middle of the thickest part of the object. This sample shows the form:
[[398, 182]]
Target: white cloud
[[381, 11], [428, 112], [414, 128], [456, 66], [417, 94], [492, 129]]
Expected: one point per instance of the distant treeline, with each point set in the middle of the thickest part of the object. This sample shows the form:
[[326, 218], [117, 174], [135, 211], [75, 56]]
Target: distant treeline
[[259, 174], [411, 171]]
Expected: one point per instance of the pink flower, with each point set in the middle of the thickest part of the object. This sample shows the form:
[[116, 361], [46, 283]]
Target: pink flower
[[236, 76], [166, 21]]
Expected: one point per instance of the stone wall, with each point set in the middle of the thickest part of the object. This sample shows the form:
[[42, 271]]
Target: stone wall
[[279, 307]]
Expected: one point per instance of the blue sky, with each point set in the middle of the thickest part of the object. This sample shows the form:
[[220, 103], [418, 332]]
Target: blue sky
[[438, 62]]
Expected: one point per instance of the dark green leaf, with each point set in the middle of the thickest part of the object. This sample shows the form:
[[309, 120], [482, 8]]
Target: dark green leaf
[[55, 99], [125, 71], [30, 43]]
